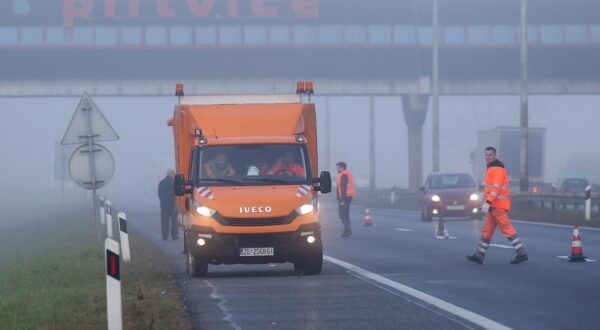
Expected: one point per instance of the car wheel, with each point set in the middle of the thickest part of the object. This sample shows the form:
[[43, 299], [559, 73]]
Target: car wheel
[[195, 268]]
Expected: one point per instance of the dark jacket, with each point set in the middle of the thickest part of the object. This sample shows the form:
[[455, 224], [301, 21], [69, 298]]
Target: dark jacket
[[166, 193], [496, 163]]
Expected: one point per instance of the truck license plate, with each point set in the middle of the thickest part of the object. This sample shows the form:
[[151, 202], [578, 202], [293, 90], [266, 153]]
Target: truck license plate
[[257, 252], [455, 207]]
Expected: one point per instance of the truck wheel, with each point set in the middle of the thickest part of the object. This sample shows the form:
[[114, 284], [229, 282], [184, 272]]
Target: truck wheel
[[195, 268], [298, 266], [312, 266]]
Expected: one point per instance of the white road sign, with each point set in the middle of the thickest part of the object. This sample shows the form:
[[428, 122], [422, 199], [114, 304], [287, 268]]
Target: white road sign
[[80, 166], [92, 124]]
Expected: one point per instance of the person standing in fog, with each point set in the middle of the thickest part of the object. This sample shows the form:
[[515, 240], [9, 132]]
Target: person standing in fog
[[168, 214], [345, 193]]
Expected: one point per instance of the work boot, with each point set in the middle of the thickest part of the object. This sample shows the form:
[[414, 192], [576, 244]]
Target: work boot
[[519, 259], [476, 258]]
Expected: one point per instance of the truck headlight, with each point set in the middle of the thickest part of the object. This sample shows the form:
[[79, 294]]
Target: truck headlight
[[305, 209], [436, 198], [204, 211], [474, 197]]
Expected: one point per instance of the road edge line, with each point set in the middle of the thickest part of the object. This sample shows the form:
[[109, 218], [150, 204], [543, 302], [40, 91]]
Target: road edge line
[[431, 300]]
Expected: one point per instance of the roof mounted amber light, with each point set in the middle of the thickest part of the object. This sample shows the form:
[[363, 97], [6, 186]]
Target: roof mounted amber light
[[300, 87], [309, 89], [179, 90]]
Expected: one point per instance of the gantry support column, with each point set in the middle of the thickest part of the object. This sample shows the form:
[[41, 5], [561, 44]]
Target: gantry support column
[[414, 107]]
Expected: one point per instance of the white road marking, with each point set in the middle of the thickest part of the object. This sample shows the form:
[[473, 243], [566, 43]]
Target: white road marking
[[431, 300], [403, 229], [567, 257], [501, 246], [222, 301]]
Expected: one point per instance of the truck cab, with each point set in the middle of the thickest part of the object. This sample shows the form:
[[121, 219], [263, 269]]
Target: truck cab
[[247, 184]]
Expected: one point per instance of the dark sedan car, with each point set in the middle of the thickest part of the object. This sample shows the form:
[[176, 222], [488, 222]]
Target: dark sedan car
[[450, 195]]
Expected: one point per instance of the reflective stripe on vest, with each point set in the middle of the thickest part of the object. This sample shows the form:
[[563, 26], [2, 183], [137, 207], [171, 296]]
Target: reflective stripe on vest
[[350, 192]]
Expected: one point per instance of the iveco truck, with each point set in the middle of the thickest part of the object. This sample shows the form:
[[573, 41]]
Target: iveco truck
[[247, 179]]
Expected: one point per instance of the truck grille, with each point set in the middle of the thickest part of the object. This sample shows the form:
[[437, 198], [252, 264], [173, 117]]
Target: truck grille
[[254, 221]]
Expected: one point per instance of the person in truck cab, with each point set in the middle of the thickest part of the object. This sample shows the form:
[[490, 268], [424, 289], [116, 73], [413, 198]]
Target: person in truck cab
[[286, 166], [219, 167]]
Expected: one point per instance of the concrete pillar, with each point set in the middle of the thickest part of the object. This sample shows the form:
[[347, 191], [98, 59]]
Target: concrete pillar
[[372, 142], [414, 107]]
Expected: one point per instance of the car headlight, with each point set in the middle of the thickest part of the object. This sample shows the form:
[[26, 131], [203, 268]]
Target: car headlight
[[204, 211], [436, 198], [305, 209], [474, 197]]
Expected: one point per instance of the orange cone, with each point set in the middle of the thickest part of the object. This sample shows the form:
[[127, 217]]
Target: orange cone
[[576, 248], [368, 221]]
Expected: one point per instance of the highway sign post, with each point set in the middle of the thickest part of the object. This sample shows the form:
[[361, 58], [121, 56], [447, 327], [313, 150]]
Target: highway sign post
[[91, 165]]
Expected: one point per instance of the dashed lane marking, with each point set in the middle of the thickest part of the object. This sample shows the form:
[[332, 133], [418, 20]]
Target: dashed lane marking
[[403, 229], [501, 246], [368, 276]]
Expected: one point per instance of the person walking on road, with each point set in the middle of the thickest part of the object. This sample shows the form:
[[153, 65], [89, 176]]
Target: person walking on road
[[345, 193], [496, 208], [168, 214]]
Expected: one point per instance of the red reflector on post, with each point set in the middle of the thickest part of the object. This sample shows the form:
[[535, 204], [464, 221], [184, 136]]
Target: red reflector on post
[[112, 265]]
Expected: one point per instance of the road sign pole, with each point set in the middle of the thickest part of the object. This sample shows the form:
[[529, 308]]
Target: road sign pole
[[90, 140]]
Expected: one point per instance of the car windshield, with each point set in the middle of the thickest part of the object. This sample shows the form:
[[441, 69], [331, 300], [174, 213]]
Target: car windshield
[[255, 164], [448, 181]]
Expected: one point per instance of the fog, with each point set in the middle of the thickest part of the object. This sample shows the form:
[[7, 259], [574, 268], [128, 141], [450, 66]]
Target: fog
[[31, 127]]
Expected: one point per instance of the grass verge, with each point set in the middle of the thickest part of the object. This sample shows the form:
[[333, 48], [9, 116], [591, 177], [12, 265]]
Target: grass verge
[[52, 276]]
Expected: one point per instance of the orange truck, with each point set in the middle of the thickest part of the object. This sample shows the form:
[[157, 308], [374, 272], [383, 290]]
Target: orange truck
[[246, 179]]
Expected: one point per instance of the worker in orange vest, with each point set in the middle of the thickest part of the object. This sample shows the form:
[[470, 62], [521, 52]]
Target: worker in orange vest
[[345, 192], [496, 207]]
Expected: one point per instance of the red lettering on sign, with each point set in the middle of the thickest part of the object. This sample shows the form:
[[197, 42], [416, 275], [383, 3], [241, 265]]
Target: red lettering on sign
[[233, 8], [306, 8], [76, 8], [259, 8], [201, 10], [110, 8], [134, 8], [164, 8]]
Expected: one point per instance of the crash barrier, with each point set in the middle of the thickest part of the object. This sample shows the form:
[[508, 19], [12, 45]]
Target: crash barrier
[[113, 285], [529, 201]]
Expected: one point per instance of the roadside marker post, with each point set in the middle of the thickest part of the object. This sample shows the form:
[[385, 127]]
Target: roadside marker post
[[109, 229], [588, 202], [113, 285], [102, 211], [125, 252]]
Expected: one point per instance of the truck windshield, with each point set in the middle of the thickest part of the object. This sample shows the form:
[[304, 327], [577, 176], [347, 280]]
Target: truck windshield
[[254, 164]]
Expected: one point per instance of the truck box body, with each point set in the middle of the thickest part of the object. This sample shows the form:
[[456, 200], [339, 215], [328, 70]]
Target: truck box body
[[252, 175], [507, 141]]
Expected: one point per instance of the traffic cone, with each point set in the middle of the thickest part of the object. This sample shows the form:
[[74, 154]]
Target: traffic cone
[[576, 249], [368, 221], [441, 232]]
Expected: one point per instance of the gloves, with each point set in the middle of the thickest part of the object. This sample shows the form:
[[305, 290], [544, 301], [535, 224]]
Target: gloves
[[485, 208]]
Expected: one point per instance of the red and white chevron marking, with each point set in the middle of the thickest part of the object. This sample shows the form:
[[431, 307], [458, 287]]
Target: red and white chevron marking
[[206, 193], [303, 191]]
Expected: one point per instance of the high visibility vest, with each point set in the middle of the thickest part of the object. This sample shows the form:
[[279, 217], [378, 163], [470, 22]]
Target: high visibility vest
[[350, 190], [497, 191]]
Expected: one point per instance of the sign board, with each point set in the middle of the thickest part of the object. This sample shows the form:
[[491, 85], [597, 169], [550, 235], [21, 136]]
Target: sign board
[[80, 166], [88, 121]]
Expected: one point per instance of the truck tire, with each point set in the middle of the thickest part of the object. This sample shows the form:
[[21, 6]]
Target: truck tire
[[195, 268], [312, 266]]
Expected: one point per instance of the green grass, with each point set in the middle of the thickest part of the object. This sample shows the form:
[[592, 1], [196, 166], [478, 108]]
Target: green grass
[[52, 277]]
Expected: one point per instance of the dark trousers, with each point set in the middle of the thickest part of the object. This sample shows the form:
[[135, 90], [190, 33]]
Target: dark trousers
[[168, 219], [344, 213]]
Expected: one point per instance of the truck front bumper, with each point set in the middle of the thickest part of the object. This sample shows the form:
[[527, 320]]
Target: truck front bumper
[[222, 248]]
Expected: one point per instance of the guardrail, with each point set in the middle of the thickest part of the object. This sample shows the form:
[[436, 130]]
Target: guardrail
[[407, 199]]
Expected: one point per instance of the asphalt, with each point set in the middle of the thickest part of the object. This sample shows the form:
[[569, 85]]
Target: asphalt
[[545, 292]]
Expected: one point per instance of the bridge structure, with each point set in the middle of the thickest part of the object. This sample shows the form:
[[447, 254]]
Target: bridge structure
[[348, 47]]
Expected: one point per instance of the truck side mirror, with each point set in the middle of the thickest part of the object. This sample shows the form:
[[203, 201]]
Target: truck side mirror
[[179, 185], [324, 182]]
